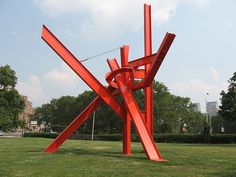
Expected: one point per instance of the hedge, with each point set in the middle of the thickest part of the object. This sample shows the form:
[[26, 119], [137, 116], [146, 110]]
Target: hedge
[[171, 138], [40, 134], [159, 138]]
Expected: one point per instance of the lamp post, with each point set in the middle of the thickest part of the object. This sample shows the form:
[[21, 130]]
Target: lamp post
[[93, 125], [208, 116], [206, 106]]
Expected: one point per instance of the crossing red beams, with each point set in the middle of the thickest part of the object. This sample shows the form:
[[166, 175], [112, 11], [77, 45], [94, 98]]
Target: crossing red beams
[[135, 113], [120, 81], [148, 51]]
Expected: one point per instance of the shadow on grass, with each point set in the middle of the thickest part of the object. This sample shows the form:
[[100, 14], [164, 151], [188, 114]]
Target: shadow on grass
[[116, 154], [226, 174], [201, 145]]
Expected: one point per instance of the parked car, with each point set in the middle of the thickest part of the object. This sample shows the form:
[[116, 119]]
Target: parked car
[[0, 133]]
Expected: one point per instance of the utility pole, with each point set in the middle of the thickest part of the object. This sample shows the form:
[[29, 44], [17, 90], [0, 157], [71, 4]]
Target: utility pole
[[93, 125]]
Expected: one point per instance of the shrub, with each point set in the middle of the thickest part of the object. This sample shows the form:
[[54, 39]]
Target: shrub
[[171, 138], [223, 139], [40, 134], [159, 138]]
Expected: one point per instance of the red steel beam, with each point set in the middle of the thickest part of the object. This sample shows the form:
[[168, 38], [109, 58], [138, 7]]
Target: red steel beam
[[124, 53], [81, 71], [156, 62], [148, 51], [144, 135], [159, 57], [74, 125]]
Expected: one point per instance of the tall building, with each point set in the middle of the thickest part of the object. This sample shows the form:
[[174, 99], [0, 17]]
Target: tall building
[[196, 107], [28, 112], [212, 108]]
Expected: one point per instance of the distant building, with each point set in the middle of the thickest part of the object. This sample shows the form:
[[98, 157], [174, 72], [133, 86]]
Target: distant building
[[212, 108], [33, 126], [28, 112], [196, 107]]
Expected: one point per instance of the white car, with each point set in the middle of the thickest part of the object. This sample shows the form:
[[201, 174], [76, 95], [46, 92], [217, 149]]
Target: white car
[[0, 133]]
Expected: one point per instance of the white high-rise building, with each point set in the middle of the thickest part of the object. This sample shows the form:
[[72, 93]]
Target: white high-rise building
[[212, 108]]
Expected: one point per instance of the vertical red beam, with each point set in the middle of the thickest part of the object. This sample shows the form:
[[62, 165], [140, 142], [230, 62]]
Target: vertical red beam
[[124, 52], [148, 51]]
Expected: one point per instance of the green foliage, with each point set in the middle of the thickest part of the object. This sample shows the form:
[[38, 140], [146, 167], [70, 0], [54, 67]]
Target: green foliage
[[172, 113], [8, 77], [213, 139], [217, 123], [5, 119], [228, 101], [206, 132], [40, 134], [181, 138], [159, 138], [11, 103], [223, 139]]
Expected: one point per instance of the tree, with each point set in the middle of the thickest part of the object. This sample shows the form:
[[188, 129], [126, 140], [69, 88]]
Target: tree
[[11, 103], [173, 114], [5, 119], [228, 101], [8, 77]]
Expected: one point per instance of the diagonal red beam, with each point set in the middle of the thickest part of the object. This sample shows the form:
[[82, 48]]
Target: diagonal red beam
[[136, 115], [161, 53], [81, 71], [74, 125], [155, 61]]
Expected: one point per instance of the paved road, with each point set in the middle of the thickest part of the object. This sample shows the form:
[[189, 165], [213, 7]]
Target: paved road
[[4, 134]]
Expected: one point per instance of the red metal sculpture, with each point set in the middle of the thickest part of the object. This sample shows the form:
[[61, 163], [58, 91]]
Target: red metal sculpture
[[121, 81]]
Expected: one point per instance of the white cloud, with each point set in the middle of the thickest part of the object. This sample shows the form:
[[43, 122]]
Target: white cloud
[[197, 86], [65, 32], [32, 89], [197, 89], [63, 76], [214, 74], [229, 24], [112, 17]]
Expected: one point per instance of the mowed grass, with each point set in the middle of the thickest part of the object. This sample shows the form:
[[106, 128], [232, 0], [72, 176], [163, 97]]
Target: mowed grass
[[25, 157]]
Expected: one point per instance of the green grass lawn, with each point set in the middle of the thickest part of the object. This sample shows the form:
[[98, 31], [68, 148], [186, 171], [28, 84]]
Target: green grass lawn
[[25, 157]]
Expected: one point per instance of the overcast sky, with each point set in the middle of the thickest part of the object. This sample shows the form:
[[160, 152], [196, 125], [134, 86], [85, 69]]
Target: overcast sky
[[201, 59]]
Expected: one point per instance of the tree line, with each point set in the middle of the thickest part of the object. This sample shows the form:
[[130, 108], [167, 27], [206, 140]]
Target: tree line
[[172, 114]]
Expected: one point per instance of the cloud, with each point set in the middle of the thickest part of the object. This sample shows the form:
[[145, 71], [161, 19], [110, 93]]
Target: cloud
[[197, 89], [229, 24], [65, 32], [32, 89], [197, 86], [214, 74], [63, 76], [112, 17]]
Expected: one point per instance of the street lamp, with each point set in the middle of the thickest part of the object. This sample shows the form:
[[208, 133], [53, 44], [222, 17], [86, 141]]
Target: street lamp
[[93, 125], [208, 116]]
